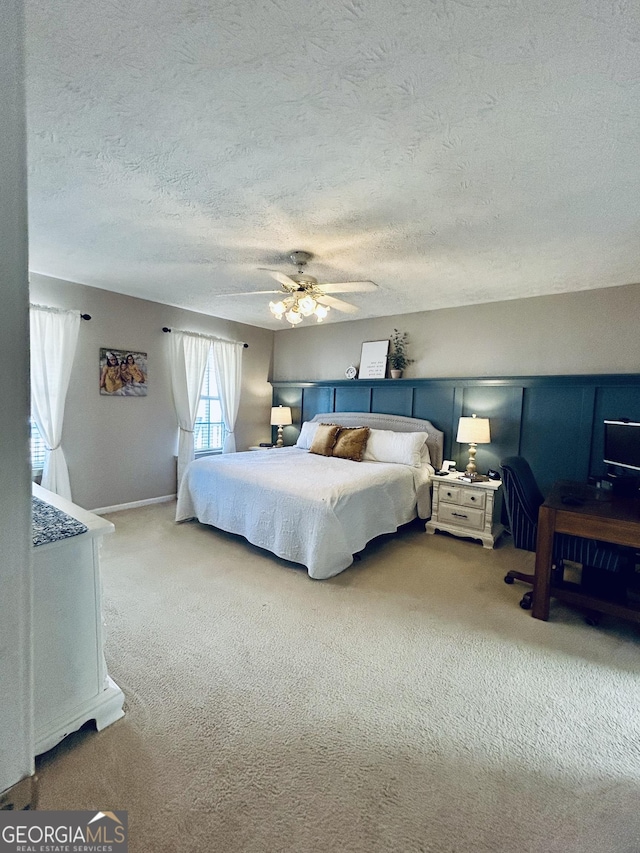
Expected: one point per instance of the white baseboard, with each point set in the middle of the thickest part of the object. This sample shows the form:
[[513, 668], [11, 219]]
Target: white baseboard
[[103, 510]]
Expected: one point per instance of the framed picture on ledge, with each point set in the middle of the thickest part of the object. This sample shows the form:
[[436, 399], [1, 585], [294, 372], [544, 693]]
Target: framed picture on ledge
[[373, 360]]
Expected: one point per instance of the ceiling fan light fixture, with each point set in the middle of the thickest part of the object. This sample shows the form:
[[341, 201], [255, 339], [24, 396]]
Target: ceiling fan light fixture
[[321, 312], [307, 305], [277, 309], [304, 296], [293, 316]]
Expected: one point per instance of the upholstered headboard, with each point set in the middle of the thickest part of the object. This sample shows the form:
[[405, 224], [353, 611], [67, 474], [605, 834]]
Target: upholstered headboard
[[399, 423]]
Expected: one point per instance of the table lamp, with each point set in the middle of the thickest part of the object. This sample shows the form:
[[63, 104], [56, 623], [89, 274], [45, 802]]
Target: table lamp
[[280, 417], [473, 431]]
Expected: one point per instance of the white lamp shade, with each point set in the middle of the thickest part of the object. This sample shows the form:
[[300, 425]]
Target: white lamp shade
[[280, 416], [473, 430]]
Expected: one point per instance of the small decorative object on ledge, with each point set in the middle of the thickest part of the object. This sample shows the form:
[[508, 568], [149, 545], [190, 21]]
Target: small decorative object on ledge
[[397, 358], [351, 372]]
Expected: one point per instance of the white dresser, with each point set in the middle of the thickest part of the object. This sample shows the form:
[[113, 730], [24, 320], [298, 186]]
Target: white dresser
[[71, 683], [467, 509]]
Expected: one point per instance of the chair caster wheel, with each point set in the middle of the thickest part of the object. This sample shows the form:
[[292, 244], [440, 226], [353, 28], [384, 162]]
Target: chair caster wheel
[[527, 601], [508, 580]]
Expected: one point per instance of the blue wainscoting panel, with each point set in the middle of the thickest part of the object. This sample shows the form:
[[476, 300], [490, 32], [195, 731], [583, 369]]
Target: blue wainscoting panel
[[435, 403], [612, 403], [353, 398], [316, 399], [551, 428], [392, 399], [292, 397], [289, 396], [556, 422], [502, 404]]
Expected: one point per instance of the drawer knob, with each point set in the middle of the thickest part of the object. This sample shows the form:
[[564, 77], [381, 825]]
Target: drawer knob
[[459, 515]]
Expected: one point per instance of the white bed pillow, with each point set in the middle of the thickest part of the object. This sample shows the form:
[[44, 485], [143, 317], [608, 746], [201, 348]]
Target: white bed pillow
[[307, 434], [405, 448]]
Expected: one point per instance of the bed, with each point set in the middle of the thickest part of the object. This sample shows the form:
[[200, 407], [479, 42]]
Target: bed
[[311, 509]]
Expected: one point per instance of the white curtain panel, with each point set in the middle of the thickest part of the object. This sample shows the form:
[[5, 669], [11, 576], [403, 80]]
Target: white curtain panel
[[227, 358], [187, 362], [54, 336]]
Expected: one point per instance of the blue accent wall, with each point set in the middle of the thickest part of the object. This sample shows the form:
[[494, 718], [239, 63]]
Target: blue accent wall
[[554, 421]]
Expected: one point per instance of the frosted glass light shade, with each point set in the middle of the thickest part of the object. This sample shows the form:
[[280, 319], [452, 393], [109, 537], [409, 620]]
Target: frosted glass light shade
[[294, 317], [277, 309], [306, 305], [321, 312]]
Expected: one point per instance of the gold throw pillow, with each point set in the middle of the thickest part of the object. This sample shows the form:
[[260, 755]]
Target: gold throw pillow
[[351, 443], [324, 439]]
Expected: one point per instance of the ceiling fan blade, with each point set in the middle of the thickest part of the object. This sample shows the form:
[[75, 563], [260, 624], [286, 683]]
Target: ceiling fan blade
[[285, 280], [338, 304], [247, 293], [348, 286]]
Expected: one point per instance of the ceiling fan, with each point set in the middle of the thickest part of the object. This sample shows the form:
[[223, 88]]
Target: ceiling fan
[[303, 296]]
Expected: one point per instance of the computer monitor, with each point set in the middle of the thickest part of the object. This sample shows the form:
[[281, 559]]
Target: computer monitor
[[622, 443]]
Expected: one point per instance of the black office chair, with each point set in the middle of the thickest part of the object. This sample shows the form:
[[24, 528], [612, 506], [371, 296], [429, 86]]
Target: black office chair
[[523, 499]]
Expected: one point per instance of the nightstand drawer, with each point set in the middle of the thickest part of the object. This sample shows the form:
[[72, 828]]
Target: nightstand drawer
[[464, 516], [450, 494], [473, 497]]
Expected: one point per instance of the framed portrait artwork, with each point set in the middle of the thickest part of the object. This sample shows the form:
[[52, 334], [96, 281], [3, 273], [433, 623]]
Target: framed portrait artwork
[[373, 360], [123, 373]]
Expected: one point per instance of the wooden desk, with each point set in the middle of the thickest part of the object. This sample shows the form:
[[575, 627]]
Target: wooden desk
[[600, 516]]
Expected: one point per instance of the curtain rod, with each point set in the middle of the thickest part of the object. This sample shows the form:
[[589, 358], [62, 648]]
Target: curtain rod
[[58, 310], [209, 337]]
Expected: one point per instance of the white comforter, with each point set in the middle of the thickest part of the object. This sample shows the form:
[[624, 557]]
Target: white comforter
[[314, 510]]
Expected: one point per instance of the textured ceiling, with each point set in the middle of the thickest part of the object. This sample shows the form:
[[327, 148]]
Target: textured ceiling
[[453, 151]]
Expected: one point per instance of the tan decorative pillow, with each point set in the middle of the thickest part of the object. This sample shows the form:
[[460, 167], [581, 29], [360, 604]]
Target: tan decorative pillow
[[351, 443], [324, 439]]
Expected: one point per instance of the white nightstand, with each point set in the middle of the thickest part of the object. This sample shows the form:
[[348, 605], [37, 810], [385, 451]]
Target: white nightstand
[[467, 509]]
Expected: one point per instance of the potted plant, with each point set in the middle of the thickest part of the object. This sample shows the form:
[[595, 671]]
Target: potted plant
[[398, 358]]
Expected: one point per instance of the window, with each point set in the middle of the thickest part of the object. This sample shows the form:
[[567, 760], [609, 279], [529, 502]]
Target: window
[[209, 427], [37, 446]]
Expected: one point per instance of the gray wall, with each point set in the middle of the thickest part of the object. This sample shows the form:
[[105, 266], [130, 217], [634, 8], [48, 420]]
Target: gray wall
[[594, 331], [16, 735], [121, 449]]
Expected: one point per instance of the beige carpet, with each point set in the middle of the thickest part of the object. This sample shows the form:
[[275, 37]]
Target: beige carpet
[[407, 705]]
